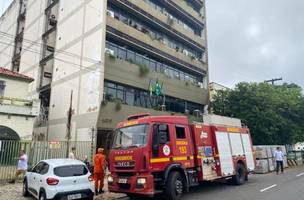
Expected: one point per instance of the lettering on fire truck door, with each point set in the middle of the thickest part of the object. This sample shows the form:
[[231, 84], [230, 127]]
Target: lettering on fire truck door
[[183, 150], [225, 154]]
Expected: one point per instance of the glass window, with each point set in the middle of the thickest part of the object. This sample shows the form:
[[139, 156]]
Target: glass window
[[122, 54], [70, 170], [131, 136], [138, 59], [2, 88], [130, 56], [120, 93], [180, 132], [130, 96], [44, 169], [152, 65]]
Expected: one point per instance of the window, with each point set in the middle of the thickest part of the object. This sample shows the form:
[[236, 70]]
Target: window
[[142, 98], [180, 132], [2, 88], [71, 170], [41, 168]]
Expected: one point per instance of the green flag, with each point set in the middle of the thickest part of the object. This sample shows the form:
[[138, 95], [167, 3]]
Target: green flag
[[157, 88]]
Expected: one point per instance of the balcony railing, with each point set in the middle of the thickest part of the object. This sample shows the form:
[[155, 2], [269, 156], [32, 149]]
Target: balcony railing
[[15, 106]]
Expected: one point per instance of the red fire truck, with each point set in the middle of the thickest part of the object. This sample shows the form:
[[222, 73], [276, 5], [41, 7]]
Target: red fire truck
[[167, 154]]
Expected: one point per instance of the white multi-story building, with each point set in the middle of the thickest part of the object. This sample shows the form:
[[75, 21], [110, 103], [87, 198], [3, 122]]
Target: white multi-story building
[[108, 54]]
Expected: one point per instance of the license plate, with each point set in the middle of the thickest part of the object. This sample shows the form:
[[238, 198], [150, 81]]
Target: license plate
[[74, 196], [122, 180]]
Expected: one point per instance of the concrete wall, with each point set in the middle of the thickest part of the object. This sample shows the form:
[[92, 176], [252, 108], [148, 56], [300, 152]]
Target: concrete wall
[[81, 33], [21, 124], [8, 25], [15, 88]]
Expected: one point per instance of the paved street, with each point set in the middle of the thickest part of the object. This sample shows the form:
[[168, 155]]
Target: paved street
[[259, 187]]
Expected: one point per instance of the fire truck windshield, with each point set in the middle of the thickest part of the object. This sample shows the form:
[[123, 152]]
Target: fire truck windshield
[[132, 136]]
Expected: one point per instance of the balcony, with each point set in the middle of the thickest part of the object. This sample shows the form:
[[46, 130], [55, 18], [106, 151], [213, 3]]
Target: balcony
[[15, 106], [165, 19], [182, 4], [156, 44], [128, 73]]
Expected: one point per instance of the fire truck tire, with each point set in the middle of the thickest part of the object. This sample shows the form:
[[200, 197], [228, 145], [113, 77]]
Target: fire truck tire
[[240, 177], [174, 186]]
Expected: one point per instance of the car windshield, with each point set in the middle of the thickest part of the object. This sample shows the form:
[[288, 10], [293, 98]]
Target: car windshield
[[70, 170], [132, 136]]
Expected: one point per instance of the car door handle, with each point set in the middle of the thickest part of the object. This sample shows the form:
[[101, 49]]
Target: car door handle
[[40, 181], [34, 178]]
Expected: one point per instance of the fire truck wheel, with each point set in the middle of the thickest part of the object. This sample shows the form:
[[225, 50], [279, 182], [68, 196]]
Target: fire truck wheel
[[174, 186], [240, 176]]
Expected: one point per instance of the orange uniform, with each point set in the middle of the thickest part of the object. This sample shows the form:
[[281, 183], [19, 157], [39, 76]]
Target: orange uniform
[[99, 166]]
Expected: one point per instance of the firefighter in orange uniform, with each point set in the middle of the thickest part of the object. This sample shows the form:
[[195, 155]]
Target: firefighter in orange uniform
[[99, 170]]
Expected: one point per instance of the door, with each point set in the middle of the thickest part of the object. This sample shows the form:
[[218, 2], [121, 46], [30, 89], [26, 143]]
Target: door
[[248, 151], [33, 184], [161, 147], [183, 150], [225, 154]]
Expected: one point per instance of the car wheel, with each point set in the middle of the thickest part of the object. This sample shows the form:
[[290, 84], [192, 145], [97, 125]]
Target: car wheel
[[240, 176], [25, 192], [174, 186], [42, 196]]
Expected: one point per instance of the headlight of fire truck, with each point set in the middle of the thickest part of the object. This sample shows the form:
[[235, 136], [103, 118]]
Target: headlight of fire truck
[[141, 181], [110, 179]]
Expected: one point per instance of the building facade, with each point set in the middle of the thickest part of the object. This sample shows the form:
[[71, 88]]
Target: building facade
[[116, 58], [214, 88], [17, 112]]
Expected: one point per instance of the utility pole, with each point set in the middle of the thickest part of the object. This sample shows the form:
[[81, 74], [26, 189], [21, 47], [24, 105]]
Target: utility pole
[[272, 81], [92, 143], [69, 119]]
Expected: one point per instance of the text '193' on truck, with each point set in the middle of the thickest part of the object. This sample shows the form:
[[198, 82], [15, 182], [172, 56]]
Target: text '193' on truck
[[167, 155]]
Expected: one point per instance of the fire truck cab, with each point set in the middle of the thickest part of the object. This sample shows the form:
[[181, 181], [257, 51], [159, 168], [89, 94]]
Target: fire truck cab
[[156, 154]]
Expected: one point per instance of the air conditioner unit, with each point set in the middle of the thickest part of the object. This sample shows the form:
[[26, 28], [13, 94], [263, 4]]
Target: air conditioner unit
[[110, 13], [109, 51]]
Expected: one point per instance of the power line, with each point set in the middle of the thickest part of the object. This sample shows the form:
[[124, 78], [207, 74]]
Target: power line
[[34, 43]]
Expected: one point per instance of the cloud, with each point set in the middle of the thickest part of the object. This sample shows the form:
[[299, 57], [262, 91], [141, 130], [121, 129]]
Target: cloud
[[255, 40]]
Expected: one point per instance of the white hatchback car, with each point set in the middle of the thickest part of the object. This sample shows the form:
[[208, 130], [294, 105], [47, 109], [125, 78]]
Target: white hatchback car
[[64, 179]]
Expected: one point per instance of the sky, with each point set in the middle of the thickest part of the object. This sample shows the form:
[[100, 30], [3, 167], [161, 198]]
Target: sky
[[252, 40]]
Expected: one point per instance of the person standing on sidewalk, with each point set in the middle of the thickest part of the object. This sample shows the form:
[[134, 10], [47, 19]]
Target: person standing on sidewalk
[[99, 171], [279, 157], [72, 153], [22, 165]]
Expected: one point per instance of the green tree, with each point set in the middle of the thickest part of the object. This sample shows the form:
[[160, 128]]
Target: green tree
[[273, 113]]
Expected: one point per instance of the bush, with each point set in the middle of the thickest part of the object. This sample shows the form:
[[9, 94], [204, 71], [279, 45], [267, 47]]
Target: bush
[[143, 70]]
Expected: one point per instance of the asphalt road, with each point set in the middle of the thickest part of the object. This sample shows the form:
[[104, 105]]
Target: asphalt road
[[287, 186]]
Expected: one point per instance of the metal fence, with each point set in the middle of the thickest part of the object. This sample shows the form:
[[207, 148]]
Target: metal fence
[[36, 151]]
